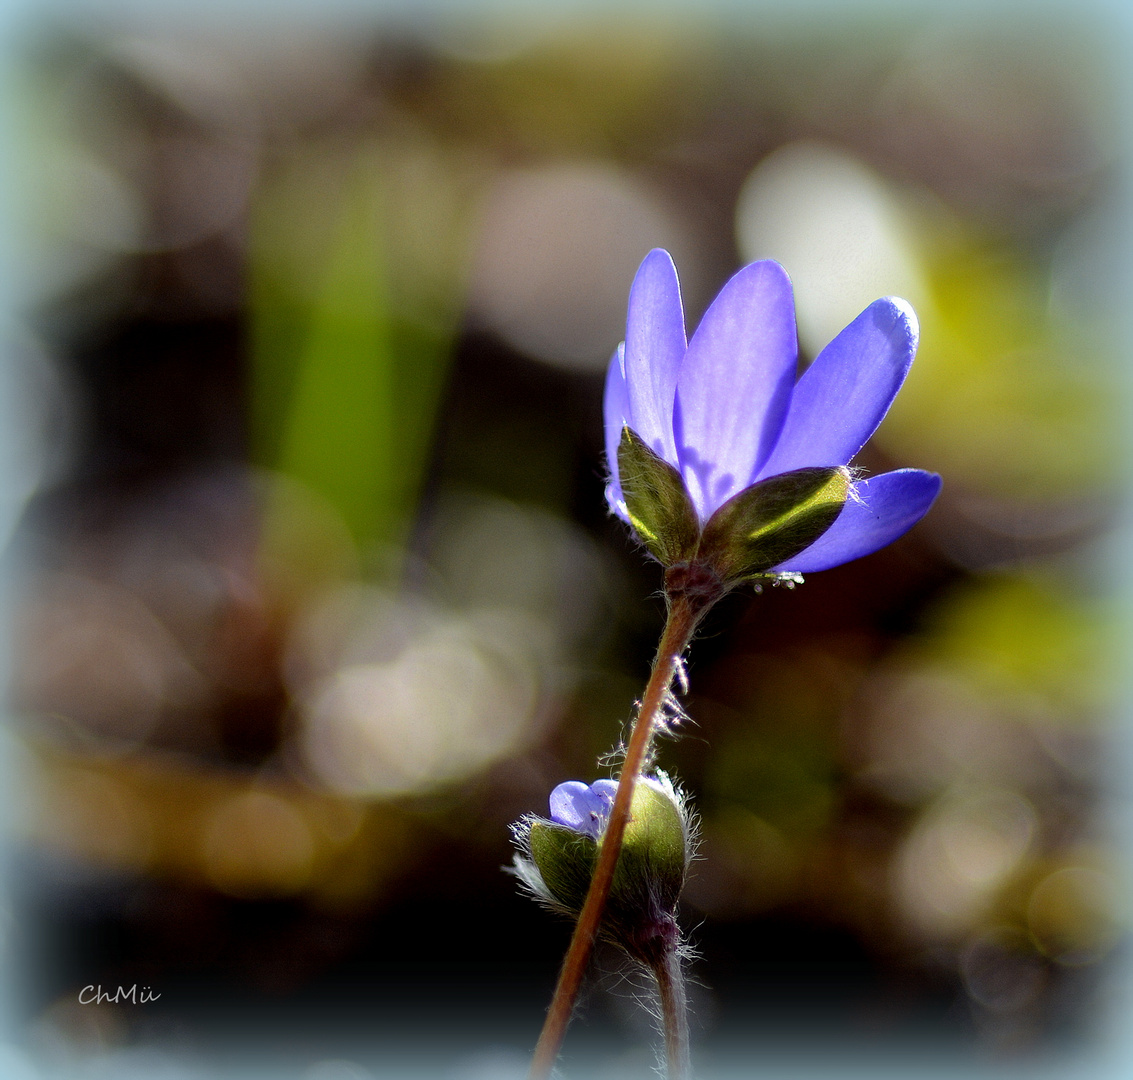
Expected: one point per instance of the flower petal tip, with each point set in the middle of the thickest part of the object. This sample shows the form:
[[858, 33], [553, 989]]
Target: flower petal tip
[[658, 260], [903, 316]]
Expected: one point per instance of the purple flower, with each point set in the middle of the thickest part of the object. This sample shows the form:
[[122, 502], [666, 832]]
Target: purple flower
[[726, 412], [584, 809]]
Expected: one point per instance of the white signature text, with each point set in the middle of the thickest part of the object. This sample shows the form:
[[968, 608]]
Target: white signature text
[[95, 995]]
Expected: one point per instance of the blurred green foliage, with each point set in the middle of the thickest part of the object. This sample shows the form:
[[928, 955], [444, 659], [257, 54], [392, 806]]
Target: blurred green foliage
[[353, 319]]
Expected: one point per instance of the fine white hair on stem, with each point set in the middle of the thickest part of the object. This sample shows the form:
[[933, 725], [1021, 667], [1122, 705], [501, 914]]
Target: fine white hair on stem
[[680, 673], [671, 715], [611, 759]]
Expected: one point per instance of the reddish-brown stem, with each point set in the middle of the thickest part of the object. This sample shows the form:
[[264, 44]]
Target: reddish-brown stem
[[685, 611]]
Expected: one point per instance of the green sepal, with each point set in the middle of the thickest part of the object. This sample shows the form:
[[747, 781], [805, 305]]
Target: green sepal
[[657, 503], [564, 859], [654, 858], [767, 523]]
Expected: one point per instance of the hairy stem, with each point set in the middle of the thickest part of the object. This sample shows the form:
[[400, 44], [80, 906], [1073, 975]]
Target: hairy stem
[[685, 612], [674, 1015]]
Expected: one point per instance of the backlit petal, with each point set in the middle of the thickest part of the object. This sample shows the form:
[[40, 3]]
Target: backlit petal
[[886, 507], [573, 804], [615, 411], [735, 384], [654, 349], [583, 808], [605, 790], [843, 395]]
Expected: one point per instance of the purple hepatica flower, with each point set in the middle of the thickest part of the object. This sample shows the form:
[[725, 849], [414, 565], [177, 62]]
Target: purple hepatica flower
[[584, 809], [726, 412]]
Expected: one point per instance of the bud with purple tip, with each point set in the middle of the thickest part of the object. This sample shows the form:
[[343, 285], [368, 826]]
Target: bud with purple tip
[[557, 857]]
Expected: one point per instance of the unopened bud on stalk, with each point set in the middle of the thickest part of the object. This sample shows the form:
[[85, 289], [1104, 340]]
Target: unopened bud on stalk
[[557, 858]]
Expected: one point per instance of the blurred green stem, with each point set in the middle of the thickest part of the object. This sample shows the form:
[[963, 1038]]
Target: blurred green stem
[[685, 612], [674, 1015]]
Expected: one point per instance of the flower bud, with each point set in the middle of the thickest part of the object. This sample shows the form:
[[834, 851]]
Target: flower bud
[[640, 913]]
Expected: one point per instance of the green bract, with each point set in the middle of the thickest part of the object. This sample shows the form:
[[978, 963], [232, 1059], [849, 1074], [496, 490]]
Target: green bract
[[654, 857], [565, 860], [772, 520], [659, 508], [757, 529]]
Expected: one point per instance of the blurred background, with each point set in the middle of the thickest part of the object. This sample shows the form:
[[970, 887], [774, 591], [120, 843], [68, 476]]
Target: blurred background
[[311, 588]]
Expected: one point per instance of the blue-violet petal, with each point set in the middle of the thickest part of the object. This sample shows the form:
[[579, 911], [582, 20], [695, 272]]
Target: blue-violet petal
[[735, 384], [615, 411], [879, 511], [842, 397], [654, 349], [575, 806]]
